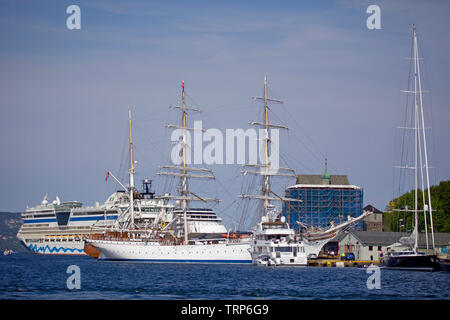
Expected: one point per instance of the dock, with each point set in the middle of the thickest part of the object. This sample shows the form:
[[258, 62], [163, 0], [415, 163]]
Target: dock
[[341, 263]]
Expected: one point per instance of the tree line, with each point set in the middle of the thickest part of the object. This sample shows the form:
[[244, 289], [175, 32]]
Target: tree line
[[404, 221]]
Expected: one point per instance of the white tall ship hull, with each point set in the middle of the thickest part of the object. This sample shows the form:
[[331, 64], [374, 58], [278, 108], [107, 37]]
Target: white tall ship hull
[[237, 253]]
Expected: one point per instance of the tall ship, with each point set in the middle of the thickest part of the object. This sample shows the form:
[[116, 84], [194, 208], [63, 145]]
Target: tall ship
[[193, 235], [405, 254], [274, 243]]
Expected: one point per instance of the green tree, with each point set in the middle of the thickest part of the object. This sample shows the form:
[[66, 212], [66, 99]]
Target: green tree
[[440, 203]]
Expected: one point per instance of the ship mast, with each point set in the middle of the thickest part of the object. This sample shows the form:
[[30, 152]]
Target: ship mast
[[184, 186], [266, 178], [266, 170], [202, 173], [131, 172], [126, 218]]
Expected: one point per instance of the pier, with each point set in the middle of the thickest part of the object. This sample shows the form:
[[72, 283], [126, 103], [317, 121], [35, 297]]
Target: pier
[[341, 263]]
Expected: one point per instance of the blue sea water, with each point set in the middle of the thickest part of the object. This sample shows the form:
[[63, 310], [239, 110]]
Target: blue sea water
[[28, 276]]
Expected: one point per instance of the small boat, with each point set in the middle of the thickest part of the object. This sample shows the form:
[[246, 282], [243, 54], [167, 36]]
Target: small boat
[[444, 264], [7, 252], [236, 235], [275, 244]]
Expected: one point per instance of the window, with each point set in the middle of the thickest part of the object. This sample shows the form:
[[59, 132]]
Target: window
[[283, 249], [370, 249], [379, 248]]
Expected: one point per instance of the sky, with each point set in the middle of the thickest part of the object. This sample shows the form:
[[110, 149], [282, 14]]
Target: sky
[[65, 93]]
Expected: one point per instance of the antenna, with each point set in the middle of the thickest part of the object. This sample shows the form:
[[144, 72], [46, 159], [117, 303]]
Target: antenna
[[146, 189]]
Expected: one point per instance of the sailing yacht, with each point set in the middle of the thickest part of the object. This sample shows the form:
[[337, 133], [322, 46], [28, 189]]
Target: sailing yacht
[[412, 259], [180, 240]]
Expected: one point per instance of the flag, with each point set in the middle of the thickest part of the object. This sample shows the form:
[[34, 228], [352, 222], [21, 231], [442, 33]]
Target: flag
[[107, 176], [182, 85]]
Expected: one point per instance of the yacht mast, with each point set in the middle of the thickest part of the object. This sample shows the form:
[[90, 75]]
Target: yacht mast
[[416, 140], [420, 156], [424, 147]]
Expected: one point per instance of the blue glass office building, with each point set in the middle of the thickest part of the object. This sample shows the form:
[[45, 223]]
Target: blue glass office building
[[325, 199]]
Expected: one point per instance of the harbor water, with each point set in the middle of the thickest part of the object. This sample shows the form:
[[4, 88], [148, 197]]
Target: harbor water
[[26, 276]]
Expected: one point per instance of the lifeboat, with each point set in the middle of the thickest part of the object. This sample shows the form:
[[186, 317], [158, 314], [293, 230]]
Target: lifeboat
[[90, 250]]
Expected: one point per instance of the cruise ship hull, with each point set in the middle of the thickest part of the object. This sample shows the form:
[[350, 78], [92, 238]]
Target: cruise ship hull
[[234, 253], [55, 248]]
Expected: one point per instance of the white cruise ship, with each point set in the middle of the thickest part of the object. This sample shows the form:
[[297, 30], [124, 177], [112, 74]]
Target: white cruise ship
[[61, 227], [202, 222]]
